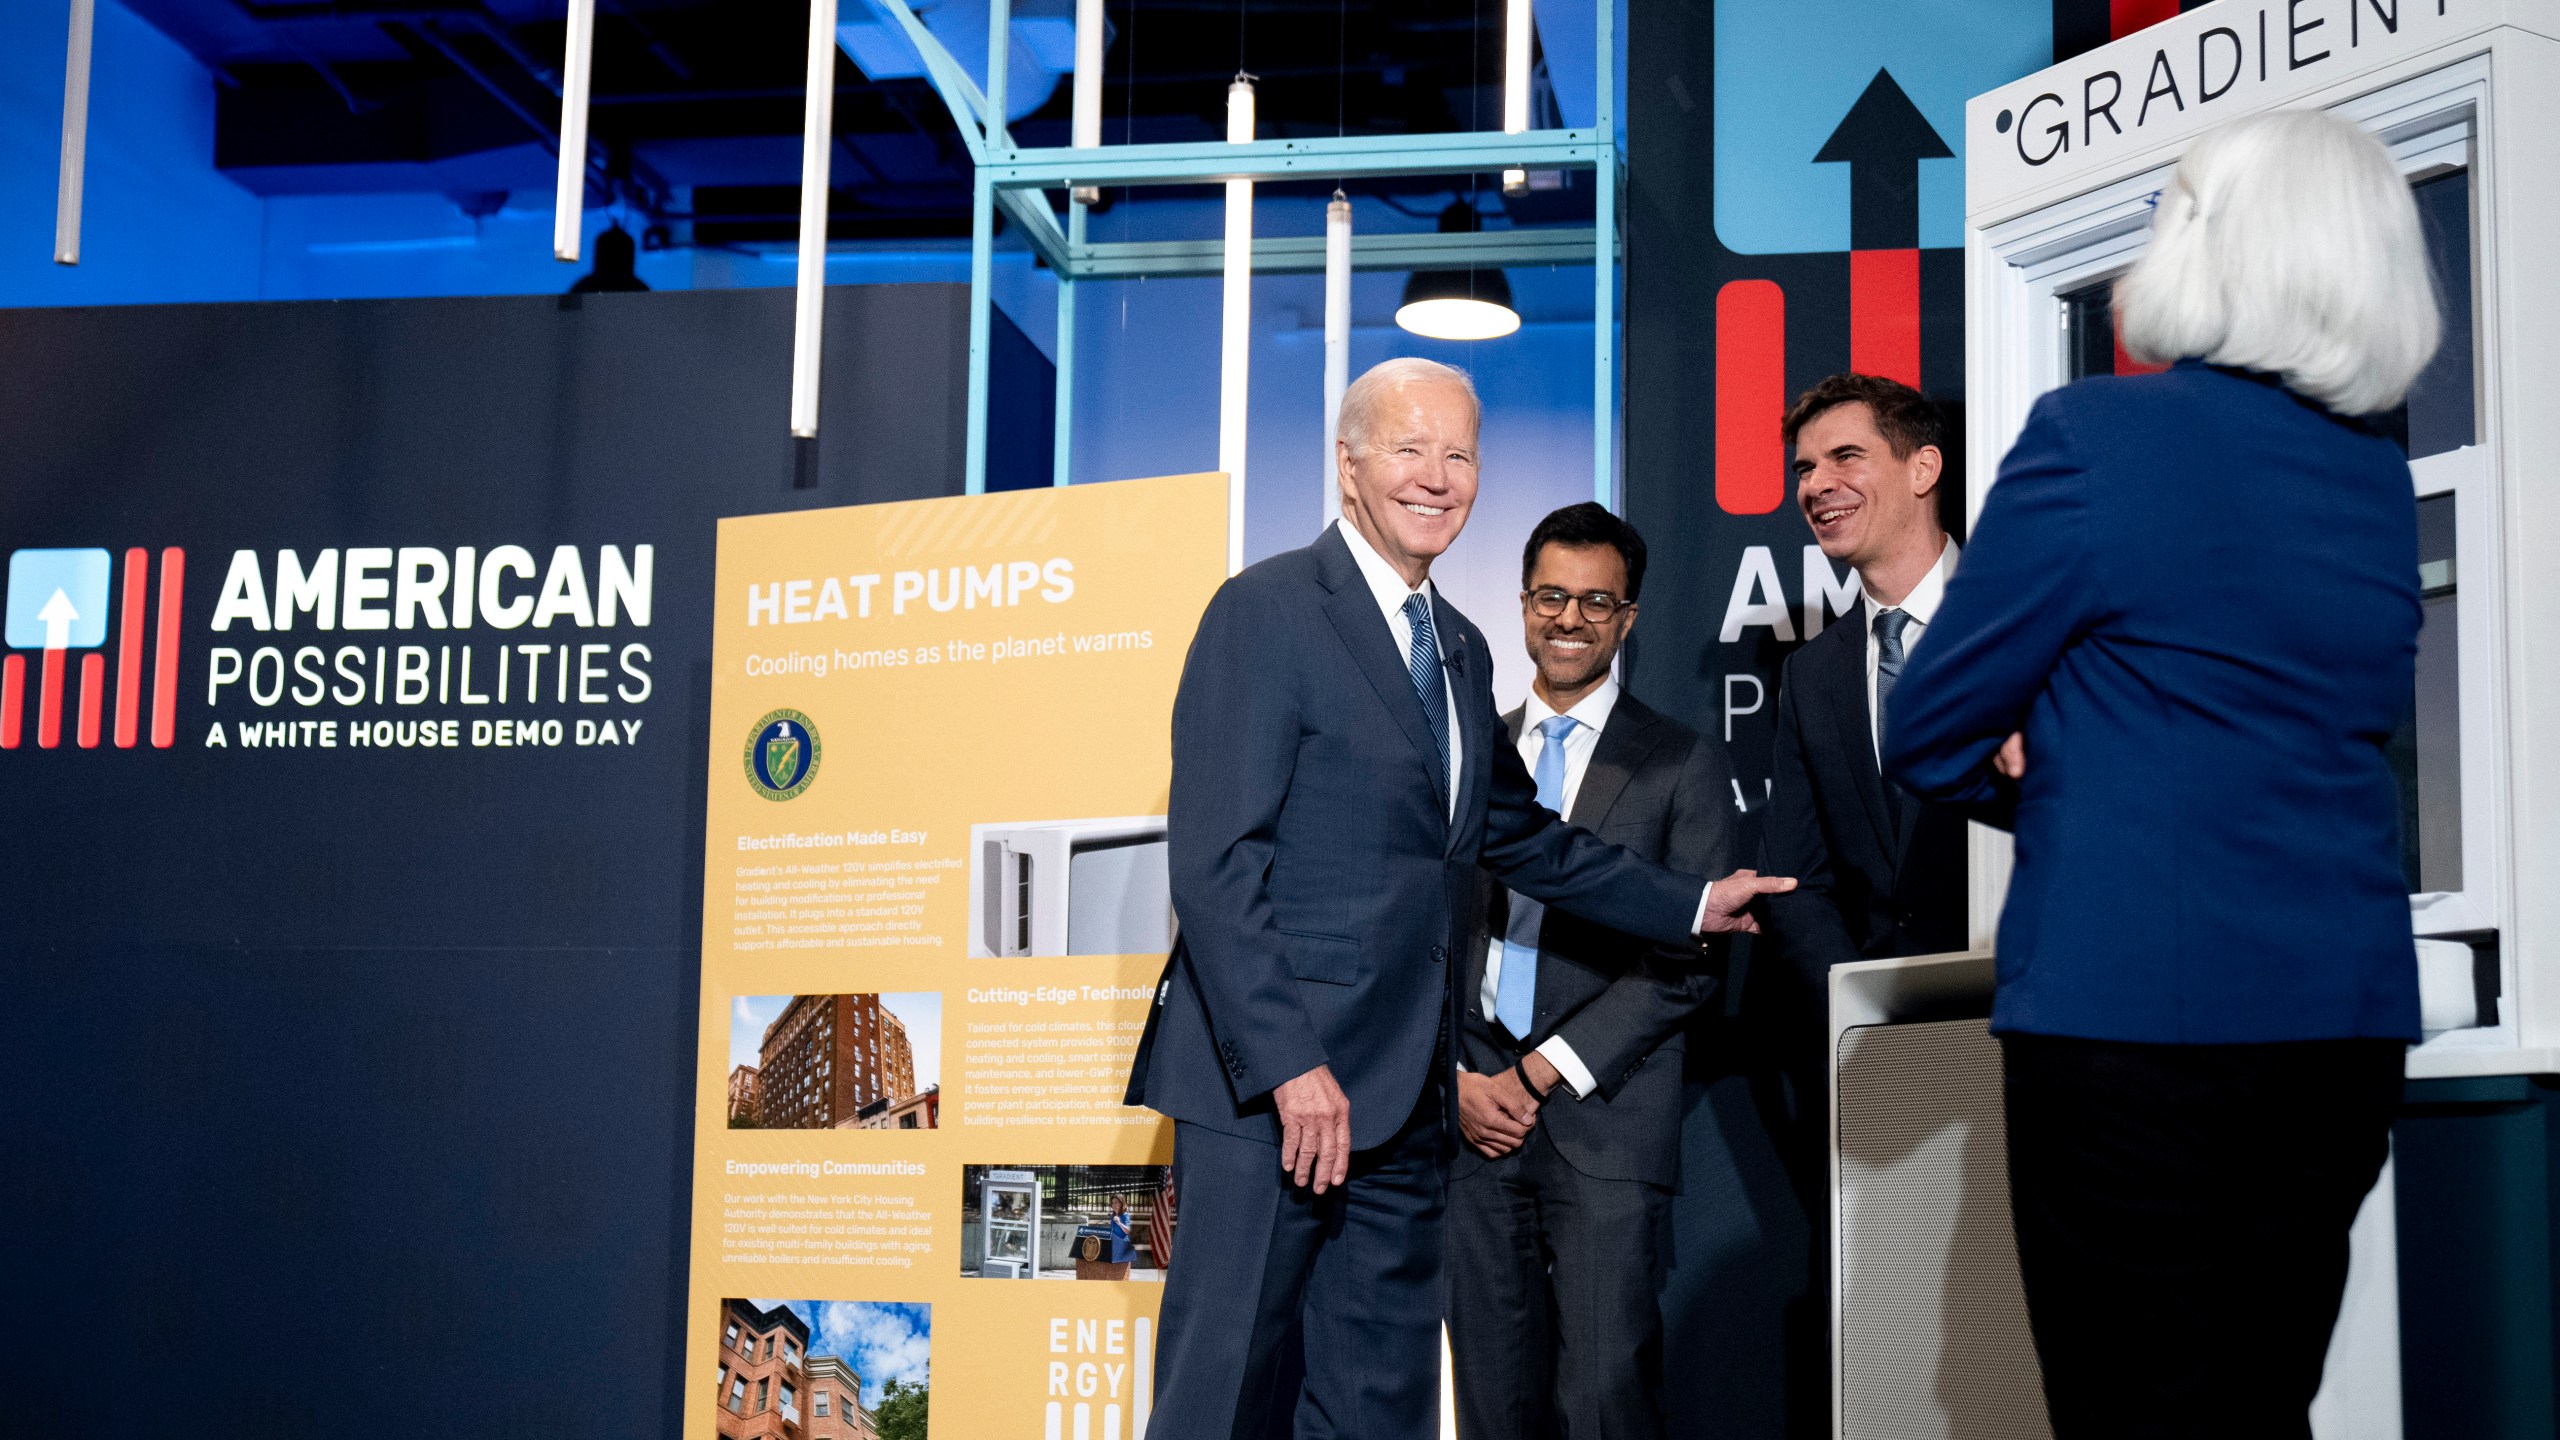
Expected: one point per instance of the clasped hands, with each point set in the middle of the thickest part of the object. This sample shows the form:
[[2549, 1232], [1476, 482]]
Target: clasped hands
[[1494, 1111]]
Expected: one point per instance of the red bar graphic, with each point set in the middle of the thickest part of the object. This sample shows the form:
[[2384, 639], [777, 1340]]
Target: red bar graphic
[[93, 696], [1884, 314], [1751, 396], [2126, 16], [164, 672], [2127, 365], [13, 700], [137, 581], [49, 702]]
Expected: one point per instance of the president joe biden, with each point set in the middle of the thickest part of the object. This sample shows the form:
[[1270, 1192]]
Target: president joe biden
[[1339, 774]]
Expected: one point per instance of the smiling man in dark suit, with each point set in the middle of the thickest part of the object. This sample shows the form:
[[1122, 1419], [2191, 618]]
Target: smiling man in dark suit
[[1570, 1034], [1883, 872], [1339, 774]]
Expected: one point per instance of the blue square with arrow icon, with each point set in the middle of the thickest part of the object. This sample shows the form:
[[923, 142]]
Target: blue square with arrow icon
[[1802, 126], [58, 599]]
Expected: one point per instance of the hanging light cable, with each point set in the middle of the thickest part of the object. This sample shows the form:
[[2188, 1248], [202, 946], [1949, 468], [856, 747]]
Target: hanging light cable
[[1337, 341], [1236, 333], [577, 61]]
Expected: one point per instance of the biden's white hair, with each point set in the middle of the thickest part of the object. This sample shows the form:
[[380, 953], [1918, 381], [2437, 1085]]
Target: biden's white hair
[[2287, 243], [1359, 413]]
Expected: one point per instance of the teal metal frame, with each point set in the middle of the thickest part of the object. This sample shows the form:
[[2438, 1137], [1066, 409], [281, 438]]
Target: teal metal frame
[[1012, 179]]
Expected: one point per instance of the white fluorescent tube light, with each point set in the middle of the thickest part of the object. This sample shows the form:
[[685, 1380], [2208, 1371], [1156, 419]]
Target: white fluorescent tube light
[[1236, 332], [1337, 341], [569, 206], [1086, 128], [816, 137], [75, 133]]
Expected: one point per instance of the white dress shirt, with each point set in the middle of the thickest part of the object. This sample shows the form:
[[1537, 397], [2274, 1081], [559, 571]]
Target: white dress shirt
[[1391, 593], [1922, 606], [1527, 916]]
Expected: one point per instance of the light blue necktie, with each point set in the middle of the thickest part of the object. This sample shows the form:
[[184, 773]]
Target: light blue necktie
[[1424, 661], [1515, 995]]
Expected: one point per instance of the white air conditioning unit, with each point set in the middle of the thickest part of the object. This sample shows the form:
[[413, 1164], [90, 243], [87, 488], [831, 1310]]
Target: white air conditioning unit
[[1070, 887]]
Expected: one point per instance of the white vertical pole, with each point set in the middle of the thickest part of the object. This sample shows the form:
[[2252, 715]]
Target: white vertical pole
[[1236, 333], [1515, 80], [569, 206], [816, 139], [75, 133], [1085, 131], [1337, 342]]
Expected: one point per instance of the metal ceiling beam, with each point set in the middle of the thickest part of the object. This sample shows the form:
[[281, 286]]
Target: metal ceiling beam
[[1304, 254], [1325, 157]]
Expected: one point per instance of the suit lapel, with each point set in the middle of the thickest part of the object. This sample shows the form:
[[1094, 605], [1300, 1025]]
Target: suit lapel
[[1364, 633], [1474, 754], [1624, 742], [1844, 675]]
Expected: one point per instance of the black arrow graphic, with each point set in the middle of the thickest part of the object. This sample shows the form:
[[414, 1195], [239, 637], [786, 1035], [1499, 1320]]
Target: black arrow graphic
[[1882, 140]]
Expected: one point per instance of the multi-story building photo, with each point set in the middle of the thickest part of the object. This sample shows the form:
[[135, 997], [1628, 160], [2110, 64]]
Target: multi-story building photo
[[817, 1062], [777, 1381]]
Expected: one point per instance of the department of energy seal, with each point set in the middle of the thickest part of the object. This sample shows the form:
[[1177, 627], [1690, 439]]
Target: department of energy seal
[[782, 755]]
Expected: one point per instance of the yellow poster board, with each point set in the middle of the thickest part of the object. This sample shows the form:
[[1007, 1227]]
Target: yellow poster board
[[934, 912]]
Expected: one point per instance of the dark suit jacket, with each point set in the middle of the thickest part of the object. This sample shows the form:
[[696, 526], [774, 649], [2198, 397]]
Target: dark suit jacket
[[2197, 593], [1319, 882], [1657, 787], [1878, 872]]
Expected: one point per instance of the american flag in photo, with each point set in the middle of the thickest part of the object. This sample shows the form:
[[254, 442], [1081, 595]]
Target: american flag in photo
[[1160, 1222]]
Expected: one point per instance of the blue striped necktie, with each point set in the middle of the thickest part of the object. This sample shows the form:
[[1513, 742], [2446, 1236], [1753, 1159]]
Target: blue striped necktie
[[1424, 661]]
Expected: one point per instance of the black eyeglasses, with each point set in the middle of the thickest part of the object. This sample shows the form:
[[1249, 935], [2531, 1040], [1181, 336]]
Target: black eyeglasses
[[1597, 606]]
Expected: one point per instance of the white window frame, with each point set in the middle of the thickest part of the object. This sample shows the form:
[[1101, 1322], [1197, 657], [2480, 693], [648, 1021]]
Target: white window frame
[[2021, 269]]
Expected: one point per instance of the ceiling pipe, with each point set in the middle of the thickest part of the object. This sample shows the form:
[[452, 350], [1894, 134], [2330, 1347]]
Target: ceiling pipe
[[75, 133]]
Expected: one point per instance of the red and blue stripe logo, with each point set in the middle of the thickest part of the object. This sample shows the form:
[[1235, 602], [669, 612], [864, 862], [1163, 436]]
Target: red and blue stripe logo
[[61, 601]]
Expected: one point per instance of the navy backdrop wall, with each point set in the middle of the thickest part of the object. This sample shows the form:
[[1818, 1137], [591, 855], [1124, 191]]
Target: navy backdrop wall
[[350, 1083]]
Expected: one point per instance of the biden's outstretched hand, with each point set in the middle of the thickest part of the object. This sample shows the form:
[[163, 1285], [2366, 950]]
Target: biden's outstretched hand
[[1315, 1129], [1728, 906]]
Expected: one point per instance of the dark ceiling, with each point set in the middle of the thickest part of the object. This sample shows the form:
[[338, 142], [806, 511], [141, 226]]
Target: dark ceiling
[[696, 109]]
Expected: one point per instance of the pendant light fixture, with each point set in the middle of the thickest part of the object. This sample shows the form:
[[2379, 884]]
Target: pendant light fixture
[[1458, 304]]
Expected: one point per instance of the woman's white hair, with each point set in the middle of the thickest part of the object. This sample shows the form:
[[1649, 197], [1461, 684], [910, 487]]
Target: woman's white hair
[[1358, 415], [2287, 243]]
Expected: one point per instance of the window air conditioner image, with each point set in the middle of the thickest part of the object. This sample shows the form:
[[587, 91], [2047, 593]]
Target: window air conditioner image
[[1070, 887]]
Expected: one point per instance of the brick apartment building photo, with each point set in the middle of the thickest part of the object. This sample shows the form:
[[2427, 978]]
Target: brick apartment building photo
[[833, 1060], [772, 1388]]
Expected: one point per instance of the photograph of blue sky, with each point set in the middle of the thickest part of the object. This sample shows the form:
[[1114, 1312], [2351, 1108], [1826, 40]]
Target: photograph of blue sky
[[919, 1010], [881, 1342]]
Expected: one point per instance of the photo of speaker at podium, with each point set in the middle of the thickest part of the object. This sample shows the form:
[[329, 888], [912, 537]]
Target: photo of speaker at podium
[[1066, 1222]]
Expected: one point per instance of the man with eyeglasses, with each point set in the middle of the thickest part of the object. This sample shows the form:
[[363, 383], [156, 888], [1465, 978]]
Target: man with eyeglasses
[[1570, 1033]]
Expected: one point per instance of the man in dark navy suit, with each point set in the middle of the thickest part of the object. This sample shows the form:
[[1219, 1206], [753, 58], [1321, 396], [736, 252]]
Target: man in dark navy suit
[[1569, 1034], [1339, 773], [1882, 873]]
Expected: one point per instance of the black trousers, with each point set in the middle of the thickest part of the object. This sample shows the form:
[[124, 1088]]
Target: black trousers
[[1353, 1275], [1555, 1316], [2182, 1215]]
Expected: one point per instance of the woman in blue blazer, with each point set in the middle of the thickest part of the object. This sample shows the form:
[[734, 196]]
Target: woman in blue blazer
[[2186, 624]]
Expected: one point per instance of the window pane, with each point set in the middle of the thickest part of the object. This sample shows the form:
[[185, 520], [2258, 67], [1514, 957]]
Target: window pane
[[2440, 413], [2426, 751]]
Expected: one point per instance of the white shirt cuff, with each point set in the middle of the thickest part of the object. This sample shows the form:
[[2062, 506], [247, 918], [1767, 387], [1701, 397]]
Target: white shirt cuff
[[1569, 1065], [1699, 925]]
